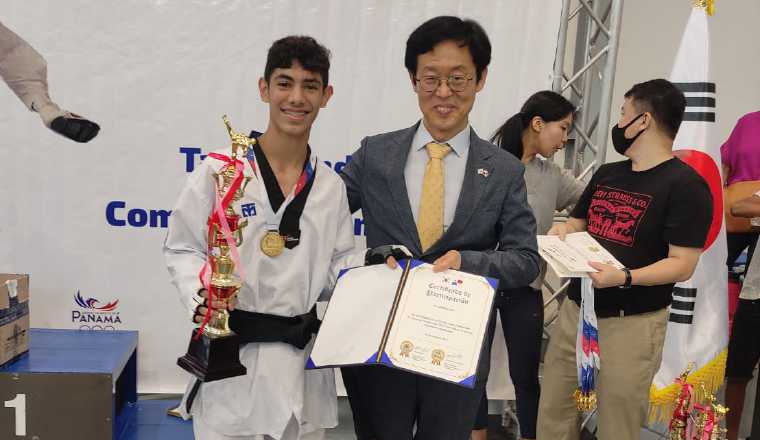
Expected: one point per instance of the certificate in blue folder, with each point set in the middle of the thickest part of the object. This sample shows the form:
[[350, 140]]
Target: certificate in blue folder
[[409, 318]]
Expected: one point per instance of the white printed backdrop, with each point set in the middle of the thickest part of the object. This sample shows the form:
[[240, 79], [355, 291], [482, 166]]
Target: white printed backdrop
[[157, 75]]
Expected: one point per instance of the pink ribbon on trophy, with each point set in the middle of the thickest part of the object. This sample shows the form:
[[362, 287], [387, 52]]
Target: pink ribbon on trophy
[[706, 433], [683, 403], [218, 215]]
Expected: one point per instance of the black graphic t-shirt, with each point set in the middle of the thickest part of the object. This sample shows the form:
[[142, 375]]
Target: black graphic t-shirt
[[635, 215]]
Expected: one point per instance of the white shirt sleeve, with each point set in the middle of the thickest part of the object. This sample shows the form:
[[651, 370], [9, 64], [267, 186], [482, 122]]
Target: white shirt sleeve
[[345, 253], [186, 240]]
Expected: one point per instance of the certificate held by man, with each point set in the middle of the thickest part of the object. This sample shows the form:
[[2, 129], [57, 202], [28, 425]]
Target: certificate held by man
[[409, 318]]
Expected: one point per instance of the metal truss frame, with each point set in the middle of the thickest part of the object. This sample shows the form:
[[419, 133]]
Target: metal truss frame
[[589, 85]]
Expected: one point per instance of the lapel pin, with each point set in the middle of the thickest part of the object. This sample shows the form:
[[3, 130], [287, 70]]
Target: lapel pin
[[483, 172]]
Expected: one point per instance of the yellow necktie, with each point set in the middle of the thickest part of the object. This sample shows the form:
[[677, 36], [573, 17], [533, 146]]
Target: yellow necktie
[[430, 216]]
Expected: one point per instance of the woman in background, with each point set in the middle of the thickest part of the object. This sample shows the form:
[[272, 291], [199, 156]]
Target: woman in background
[[533, 135]]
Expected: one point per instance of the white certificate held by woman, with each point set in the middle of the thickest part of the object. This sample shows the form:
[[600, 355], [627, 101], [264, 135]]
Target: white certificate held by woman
[[409, 318]]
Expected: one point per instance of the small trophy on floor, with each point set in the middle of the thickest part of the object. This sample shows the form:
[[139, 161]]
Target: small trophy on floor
[[213, 353], [679, 422]]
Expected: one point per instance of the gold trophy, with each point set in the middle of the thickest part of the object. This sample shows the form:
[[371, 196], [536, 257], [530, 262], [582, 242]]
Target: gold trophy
[[214, 354]]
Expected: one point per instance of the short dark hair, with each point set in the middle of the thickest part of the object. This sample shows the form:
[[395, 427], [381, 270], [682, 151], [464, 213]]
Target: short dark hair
[[549, 106], [467, 33], [663, 100], [306, 50]]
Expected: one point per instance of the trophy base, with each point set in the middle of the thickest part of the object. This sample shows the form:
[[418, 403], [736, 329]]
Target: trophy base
[[213, 358]]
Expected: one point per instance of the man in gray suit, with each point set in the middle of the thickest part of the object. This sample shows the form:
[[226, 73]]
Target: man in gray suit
[[453, 200]]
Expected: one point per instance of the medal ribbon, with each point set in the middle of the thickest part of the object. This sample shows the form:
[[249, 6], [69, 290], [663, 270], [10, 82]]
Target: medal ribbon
[[587, 353], [219, 217], [285, 219]]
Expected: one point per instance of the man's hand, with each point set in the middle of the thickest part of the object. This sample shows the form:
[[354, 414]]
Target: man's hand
[[450, 260], [560, 229], [216, 304], [608, 276]]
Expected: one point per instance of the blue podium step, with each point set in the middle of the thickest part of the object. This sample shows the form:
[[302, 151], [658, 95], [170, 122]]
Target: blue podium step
[[150, 422], [71, 385]]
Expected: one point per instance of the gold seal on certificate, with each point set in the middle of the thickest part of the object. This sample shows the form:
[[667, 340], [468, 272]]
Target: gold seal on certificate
[[272, 244], [406, 348], [437, 355]]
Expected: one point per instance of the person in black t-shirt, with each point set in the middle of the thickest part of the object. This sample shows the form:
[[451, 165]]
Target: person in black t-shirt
[[652, 212]]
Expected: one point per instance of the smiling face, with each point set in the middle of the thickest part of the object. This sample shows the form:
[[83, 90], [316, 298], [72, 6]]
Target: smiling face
[[551, 135], [295, 96], [445, 112]]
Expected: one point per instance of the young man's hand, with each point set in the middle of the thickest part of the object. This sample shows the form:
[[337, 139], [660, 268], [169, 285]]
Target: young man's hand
[[376, 255], [608, 276], [216, 304], [449, 260], [391, 262]]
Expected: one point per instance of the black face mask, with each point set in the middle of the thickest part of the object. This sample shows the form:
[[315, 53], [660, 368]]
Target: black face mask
[[619, 141]]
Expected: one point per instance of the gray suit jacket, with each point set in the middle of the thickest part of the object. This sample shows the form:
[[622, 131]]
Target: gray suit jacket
[[493, 227]]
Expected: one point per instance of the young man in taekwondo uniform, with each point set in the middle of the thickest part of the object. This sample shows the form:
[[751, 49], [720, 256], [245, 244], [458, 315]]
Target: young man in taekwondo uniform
[[276, 399]]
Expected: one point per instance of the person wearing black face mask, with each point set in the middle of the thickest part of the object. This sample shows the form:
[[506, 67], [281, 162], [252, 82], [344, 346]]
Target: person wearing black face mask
[[652, 212], [619, 141]]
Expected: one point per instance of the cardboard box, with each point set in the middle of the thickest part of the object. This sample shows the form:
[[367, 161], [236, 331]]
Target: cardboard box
[[14, 316]]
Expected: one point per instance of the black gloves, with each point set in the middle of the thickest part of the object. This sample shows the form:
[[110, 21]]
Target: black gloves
[[75, 127], [380, 254]]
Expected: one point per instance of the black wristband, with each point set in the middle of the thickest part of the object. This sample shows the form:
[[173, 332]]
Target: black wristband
[[628, 279], [379, 255]]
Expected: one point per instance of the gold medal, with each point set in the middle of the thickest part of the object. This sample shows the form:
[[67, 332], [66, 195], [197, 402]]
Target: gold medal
[[272, 244]]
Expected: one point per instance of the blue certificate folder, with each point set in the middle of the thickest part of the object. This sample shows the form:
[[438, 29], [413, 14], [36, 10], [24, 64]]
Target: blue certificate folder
[[409, 318]]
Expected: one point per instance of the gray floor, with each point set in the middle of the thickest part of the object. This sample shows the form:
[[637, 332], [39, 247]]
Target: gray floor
[[345, 428]]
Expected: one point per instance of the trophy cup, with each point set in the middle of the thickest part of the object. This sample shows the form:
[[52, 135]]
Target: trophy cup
[[213, 353]]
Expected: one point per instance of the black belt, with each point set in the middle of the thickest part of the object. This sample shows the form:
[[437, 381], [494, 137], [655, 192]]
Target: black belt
[[621, 312], [262, 327]]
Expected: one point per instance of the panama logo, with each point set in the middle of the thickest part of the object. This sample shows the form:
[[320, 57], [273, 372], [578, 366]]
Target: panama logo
[[94, 314]]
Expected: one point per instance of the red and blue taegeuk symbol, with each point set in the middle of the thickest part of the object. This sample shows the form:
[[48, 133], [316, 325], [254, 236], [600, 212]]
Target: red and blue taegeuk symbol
[[703, 164]]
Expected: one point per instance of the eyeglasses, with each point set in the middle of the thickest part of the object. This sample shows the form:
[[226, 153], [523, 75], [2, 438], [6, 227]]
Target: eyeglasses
[[456, 83]]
